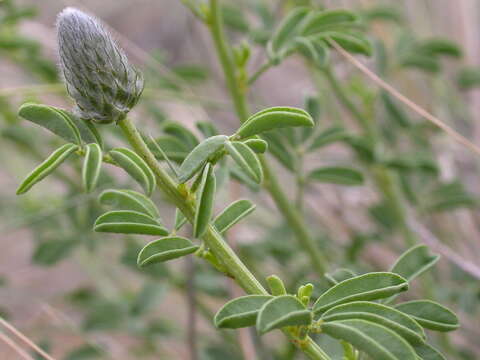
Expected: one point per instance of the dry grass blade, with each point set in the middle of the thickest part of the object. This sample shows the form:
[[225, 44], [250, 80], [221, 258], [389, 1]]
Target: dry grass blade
[[22, 353], [25, 339], [412, 105]]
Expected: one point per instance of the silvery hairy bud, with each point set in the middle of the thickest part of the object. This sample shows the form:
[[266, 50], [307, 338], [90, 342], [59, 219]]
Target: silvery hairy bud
[[98, 76]]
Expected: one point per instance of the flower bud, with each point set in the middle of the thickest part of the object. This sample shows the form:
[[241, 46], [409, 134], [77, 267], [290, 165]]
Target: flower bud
[[98, 76]]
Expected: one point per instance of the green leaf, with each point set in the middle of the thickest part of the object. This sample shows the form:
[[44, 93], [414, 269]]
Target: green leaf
[[383, 13], [232, 214], [171, 146], [327, 137], [240, 312], [394, 111], [167, 248], [439, 47], [354, 42], [414, 262], [129, 222], [205, 199], [339, 275], [88, 132], [246, 159], [422, 62], [336, 175], [375, 340], [181, 133], [281, 311], [180, 220], [428, 352], [85, 352], [274, 118], [281, 151], [206, 128], [468, 78], [369, 286], [285, 33], [92, 165], [46, 167], [51, 119], [199, 156], [389, 317], [430, 315], [51, 252], [136, 167], [258, 146], [325, 19], [129, 200]]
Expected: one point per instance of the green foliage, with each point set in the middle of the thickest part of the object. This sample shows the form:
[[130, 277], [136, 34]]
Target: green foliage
[[430, 315], [376, 340], [205, 201], [46, 167], [129, 200], [336, 175], [392, 319], [240, 312], [273, 118], [91, 166], [136, 167], [246, 159], [282, 311], [370, 286], [199, 156], [165, 249], [232, 214], [129, 222]]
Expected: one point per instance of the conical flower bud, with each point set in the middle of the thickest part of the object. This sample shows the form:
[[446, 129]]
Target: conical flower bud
[[98, 76]]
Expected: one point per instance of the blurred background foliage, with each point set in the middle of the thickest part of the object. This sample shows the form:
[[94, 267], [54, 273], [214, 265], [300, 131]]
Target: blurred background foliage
[[80, 295]]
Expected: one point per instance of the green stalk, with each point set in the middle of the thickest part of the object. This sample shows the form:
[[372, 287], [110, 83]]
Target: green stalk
[[384, 179], [237, 91], [182, 199]]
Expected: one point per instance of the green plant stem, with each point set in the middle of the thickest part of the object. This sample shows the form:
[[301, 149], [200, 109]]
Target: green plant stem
[[259, 72], [384, 179], [294, 219], [225, 56], [237, 92], [239, 272]]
